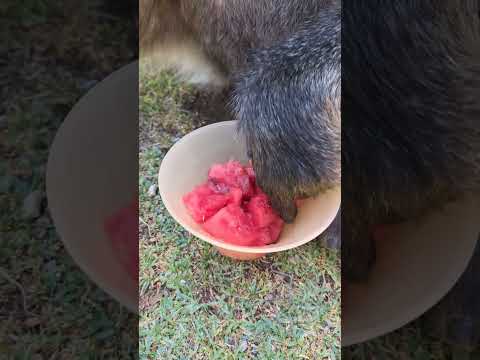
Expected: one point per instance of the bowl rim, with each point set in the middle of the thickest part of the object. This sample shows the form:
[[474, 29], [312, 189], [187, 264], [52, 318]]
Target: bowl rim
[[216, 242]]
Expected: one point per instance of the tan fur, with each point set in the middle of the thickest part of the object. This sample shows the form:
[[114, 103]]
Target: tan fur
[[166, 42]]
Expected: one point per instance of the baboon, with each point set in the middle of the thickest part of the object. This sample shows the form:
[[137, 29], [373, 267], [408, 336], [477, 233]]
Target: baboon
[[410, 138], [282, 60]]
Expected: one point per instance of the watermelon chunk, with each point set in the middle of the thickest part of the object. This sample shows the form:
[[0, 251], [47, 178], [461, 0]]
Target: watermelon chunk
[[262, 213], [275, 228], [232, 174], [236, 196], [264, 236], [233, 225], [202, 203], [230, 207], [235, 193], [218, 187]]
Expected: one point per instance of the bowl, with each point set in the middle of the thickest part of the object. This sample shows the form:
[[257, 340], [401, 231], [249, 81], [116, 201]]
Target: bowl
[[92, 173], [186, 165], [416, 267]]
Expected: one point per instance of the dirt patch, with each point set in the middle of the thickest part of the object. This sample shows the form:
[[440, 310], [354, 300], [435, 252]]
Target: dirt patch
[[208, 106]]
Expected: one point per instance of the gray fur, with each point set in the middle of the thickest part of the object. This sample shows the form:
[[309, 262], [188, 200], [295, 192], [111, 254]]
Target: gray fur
[[283, 59]]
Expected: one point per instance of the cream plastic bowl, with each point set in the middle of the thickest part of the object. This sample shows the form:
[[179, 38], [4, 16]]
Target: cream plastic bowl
[[186, 165]]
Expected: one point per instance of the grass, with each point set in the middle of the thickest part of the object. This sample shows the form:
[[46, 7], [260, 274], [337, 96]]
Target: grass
[[196, 304], [49, 309], [406, 343]]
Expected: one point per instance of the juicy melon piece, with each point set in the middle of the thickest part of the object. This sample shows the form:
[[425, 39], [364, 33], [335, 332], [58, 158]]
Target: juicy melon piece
[[264, 236], [233, 225], [275, 228], [235, 194], [218, 188], [230, 207], [262, 213], [232, 174], [202, 202]]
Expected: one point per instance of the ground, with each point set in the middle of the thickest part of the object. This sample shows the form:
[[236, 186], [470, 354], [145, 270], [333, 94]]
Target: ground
[[53, 52], [196, 304]]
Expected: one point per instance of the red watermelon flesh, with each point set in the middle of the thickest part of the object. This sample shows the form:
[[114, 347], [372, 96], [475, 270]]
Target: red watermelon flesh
[[233, 225], [218, 188], [232, 174], [275, 228], [236, 196], [264, 236], [202, 203], [262, 213], [230, 207]]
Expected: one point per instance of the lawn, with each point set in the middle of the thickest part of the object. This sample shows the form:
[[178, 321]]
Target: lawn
[[407, 343], [196, 304]]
